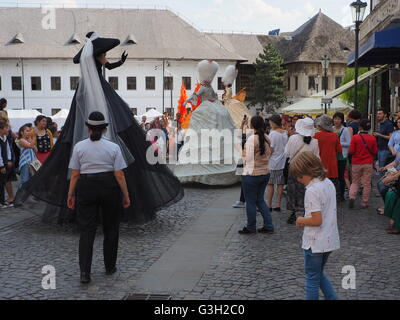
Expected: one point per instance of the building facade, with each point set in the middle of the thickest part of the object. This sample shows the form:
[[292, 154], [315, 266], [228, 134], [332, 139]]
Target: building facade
[[384, 88], [49, 85], [302, 51], [37, 72]]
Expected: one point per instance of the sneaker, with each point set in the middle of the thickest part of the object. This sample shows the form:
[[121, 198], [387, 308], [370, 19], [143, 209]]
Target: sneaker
[[3, 206], [340, 198], [111, 272], [265, 230], [9, 204], [351, 204], [239, 204], [292, 219], [246, 231]]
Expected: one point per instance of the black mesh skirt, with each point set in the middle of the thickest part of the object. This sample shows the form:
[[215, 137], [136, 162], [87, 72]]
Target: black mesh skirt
[[151, 187]]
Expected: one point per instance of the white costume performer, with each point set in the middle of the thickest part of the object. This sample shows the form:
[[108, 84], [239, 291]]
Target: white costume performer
[[205, 159], [236, 108]]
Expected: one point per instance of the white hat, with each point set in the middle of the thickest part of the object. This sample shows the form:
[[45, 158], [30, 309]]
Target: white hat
[[230, 75], [305, 127], [207, 70]]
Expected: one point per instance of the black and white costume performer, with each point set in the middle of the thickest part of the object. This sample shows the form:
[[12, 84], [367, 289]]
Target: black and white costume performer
[[151, 186]]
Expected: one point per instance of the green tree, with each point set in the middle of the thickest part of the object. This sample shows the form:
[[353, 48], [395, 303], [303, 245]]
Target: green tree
[[349, 95], [268, 79]]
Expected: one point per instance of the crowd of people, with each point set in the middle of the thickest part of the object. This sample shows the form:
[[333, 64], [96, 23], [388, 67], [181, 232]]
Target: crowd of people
[[320, 162], [173, 135], [22, 150], [350, 153]]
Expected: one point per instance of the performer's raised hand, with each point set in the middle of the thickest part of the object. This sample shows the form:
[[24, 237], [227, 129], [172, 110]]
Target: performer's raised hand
[[124, 56]]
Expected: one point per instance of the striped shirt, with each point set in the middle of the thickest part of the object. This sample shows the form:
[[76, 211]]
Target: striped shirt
[[26, 157]]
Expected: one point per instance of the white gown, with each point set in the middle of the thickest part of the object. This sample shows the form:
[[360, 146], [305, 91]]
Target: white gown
[[204, 162]]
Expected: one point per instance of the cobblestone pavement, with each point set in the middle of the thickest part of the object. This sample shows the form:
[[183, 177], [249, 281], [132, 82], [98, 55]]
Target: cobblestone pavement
[[271, 266], [29, 245], [245, 267]]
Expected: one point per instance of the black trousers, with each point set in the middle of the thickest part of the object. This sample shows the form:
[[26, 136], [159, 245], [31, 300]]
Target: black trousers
[[98, 197]]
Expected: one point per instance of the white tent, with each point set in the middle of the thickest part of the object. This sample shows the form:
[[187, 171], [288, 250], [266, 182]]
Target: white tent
[[20, 117], [60, 117], [314, 106], [150, 115]]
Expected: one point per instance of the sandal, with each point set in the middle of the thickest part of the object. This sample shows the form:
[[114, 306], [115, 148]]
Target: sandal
[[393, 231]]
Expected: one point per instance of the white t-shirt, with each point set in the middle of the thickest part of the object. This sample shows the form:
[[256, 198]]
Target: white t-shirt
[[97, 156], [278, 142], [320, 196]]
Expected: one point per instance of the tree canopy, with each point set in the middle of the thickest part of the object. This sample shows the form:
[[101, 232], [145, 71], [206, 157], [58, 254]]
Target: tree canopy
[[269, 89]]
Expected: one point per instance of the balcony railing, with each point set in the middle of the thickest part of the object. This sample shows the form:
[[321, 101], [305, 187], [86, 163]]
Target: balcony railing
[[379, 17]]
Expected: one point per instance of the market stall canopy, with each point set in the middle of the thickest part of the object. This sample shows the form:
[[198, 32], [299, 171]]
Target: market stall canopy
[[60, 117], [382, 48], [349, 85], [20, 117], [150, 115], [314, 106]]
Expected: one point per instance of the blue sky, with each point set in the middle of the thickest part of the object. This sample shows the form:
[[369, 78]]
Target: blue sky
[[233, 15]]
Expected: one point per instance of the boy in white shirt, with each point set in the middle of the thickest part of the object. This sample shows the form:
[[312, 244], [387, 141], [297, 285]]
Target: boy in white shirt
[[321, 235]]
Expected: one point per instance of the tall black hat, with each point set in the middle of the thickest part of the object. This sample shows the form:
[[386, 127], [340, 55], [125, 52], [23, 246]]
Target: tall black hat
[[100, 46]]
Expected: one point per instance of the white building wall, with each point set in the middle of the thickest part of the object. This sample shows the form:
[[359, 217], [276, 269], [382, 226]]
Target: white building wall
[[46, 99]]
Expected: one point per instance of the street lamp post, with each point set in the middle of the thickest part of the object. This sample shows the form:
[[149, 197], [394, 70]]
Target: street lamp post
[[21, 63], [357, 10], [325, 65]]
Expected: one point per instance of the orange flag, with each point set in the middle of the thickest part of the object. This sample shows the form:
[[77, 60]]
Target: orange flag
[[181, 108]]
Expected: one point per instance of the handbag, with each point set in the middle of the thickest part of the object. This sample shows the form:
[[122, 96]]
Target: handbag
[[287, 164], [34, 166], [366, 146]]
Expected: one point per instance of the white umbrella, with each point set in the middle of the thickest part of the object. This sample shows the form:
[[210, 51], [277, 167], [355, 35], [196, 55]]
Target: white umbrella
[[151, 115], [60, 117], [314, 106], [20, 117]]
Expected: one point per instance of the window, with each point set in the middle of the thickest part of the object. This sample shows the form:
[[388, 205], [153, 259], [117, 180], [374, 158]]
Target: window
[[38, 109], [0, 83], [134, 111], [54, 111], [148, 109], [36, 83], [169, 110], [325, 83], [220, 84], [288, 84], [296, 83], [113, 82], [187, 81], [56, 83], [131, 83], [338, 81], [168, 83], [73, 83], [150, 83], [311, 83], [16, 83]]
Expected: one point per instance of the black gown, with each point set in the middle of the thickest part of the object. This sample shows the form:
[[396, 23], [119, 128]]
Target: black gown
[[151, 187]]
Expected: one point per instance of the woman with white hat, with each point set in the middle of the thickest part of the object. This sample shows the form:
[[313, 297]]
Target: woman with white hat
[[299, 142]]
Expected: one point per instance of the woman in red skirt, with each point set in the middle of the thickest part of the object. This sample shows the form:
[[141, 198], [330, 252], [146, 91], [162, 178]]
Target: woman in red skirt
[[43, 139]]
